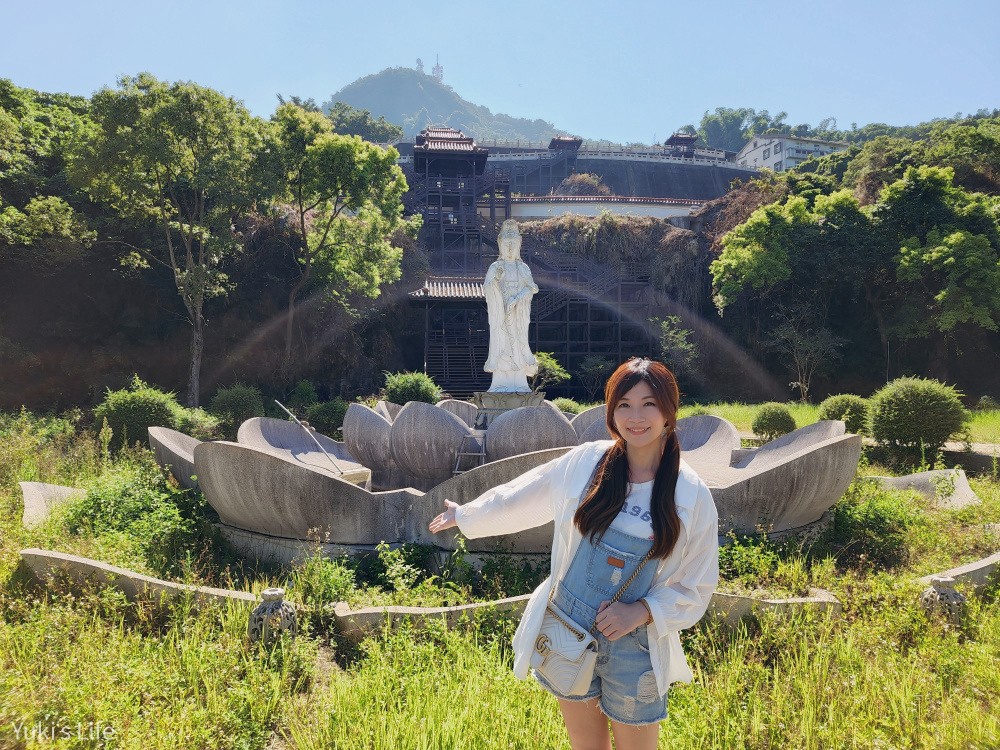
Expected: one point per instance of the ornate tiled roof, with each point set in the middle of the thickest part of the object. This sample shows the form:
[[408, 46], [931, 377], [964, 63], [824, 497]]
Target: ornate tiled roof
[[450, 287]]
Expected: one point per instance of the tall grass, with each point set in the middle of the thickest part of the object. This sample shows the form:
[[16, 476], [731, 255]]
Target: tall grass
[[884, 676]]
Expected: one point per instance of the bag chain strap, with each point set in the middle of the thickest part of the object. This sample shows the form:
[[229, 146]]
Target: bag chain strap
[[618, 595]]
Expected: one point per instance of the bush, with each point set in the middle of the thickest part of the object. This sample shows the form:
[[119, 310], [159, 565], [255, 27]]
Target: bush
[[235, 405], [135, 503], [853, 410], [567, 405], [987, 403], [327, 417], [132, 411], [303, 396], [915, 413], [870, 524], [773, 420], [401, 387], [198, 423]]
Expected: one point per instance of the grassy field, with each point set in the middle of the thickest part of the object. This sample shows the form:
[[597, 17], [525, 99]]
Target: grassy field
[[984, 426], [885, 676]]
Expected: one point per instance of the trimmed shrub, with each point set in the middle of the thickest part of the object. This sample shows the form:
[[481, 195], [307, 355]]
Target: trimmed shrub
[[235, 405], [915, 413], [853, 410], [772, 420], [327, 417], [401, 387], [131, 411], [567, 405]]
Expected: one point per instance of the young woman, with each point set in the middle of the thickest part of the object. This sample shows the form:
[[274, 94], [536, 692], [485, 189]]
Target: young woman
[[612, 502]]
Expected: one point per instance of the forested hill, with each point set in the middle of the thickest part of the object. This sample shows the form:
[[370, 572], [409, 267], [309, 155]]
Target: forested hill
[[414, 100]]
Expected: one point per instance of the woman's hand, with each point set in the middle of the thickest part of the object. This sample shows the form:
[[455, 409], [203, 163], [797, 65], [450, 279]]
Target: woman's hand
[[447, 520], [618, 619]]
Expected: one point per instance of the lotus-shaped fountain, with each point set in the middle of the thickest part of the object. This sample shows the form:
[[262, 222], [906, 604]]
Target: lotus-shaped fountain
[[397, 464]]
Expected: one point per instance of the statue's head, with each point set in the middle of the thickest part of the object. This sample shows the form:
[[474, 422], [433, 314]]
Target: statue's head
[[509, 240]]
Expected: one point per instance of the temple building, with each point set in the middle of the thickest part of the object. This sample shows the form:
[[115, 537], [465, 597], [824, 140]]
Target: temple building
[[582, 308]]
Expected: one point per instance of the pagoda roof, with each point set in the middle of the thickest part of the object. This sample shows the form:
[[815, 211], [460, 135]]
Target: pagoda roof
[[450, 287], [681, 139], [439, 138]]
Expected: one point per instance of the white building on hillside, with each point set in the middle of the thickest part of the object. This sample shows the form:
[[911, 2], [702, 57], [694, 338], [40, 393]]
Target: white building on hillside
[[783, 152]]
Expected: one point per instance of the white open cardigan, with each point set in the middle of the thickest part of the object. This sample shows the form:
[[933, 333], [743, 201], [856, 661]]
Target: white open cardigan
[[682, 584]]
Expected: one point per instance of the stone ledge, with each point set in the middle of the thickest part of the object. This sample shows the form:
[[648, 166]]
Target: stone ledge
[[978, 574], [731, 608], [358, 624], [45, 565]]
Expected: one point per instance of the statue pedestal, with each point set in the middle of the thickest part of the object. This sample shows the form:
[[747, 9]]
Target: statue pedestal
[[490, 404]]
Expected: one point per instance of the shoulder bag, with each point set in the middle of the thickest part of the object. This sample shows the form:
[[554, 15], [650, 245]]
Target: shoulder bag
[[565, 655]]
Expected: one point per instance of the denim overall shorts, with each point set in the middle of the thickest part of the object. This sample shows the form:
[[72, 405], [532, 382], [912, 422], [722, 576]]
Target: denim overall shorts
[[623, 679]]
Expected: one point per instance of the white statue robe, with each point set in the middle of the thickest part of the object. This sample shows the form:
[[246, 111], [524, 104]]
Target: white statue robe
[[509, 288]]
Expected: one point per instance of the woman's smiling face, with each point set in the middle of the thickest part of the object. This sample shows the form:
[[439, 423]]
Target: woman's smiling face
[[637, 417]]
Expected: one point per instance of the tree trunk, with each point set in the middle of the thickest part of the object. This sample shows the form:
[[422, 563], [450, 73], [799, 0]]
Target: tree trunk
[[197, 346], [286, 365]]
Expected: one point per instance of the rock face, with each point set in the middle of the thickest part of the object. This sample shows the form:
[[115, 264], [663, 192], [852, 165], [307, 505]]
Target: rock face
[[176, 450], [41, 499], [528, 429], [424, 441]]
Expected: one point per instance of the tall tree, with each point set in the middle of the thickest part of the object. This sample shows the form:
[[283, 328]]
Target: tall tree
[[346, 195], [182, 156], [348, 120]]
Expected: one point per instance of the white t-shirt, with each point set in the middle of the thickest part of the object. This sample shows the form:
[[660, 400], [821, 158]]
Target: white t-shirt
[[635, 517]]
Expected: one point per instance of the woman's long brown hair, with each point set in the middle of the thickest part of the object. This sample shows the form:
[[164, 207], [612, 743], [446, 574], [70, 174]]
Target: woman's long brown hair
[[603, 501]]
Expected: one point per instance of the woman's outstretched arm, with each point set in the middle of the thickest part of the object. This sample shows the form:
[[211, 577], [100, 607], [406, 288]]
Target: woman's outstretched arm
[[523, 503]]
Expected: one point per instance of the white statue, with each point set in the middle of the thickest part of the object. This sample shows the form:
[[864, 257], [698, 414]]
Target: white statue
[[509, 288]]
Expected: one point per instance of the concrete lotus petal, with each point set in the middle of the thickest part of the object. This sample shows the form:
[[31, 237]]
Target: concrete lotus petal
[[291, 439], [948, 488], [41, 499], [528, 429], [786, 494], [707, 441], [176, 450], [795, 441], [461, 409], [387, 409], [270, 493], [424, 441], [598, 430], [582, 421], [366, 436]]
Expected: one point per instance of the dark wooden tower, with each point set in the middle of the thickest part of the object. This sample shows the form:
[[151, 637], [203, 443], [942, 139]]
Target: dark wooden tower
[[582, 308]]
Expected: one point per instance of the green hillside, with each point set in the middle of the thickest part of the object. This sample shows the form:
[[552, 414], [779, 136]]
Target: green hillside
[[414, 100]]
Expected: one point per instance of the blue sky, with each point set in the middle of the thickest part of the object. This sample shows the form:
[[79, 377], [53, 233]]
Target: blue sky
[[626, 71]]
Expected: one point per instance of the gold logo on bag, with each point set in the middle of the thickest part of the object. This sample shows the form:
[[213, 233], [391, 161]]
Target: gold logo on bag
[[542, 644]]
